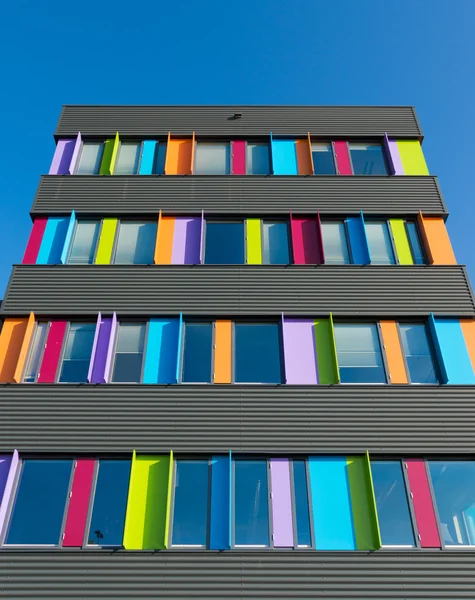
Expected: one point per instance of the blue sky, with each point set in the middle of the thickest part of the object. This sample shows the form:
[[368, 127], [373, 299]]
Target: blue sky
[[417, 52]]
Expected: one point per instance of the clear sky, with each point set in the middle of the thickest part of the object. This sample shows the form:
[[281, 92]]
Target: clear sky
[[409, 52]]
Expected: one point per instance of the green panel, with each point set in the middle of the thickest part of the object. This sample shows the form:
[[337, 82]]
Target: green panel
[[253, 242], [115, 150], [169, 500], [106, 242], [362, 503], [372, 501], [401, 242], [111, 147], [326, 353]]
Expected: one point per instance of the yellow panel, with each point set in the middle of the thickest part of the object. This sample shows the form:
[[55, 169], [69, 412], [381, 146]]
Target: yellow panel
[[412, 157], [401, 241], [253, 242], [115, 150], [106, 242], [30, 327]]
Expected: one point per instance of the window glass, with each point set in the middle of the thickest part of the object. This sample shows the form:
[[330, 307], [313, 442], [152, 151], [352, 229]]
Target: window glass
[[224, 243], [258, 159], [128, 158], [415, 243], [160, 156], [379, 242], [368, 159], [359, 354], [251, 506], [302, 513], [323, 161], [77, 353], [197, 351], [129, 353], [416, 349], [454, 490], [84, 243], [275, 243], [335, 244], [136, 243], [257, 353], [90, 160], [190, 508], [39, 505], [36, 352], [394, 517], [212, 159], [110, 503]]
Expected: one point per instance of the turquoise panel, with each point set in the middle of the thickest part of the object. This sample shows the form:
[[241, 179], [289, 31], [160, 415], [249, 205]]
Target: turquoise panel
[[284, 157], [358, 242], [452, 354], [178, 350], [69, 237], [148, 155], [161, 352], [53, 241], [331, 503], [220, 515]]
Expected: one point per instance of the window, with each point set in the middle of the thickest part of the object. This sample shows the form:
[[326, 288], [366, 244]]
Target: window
[[224, 243], [394, 516], [251, 503], [128, 158], [368, 159], [359, 354], [454, 489], [109, 503], [83, 247], [415, 243], [135, 243], [258, 162], [379, 241], [77, 353], [335, 243], [257, 353], [39, 506], [90, 159], [323, 161], [160, 156], [212, 159], [36, 353], [197, 352], [190, 507], [275, 243], [301, 505], [129, 353], [415, 345]]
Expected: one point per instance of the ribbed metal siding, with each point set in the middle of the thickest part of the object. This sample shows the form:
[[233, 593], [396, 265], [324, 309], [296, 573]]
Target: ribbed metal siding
[[247, 195], [239, 290], [251, 575], [253, 418], [150, 121]]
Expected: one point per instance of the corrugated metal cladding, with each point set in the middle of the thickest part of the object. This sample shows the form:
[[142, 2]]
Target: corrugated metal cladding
[[280, 574], [404, 420], [150, 121], [234, 194], [373, 290]]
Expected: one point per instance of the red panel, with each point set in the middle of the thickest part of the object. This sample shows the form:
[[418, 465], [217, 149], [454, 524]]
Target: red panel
[[238, 166], [306, 244], [34, 243], [54, 342], [423, 505], [343, 162], [79, 503]]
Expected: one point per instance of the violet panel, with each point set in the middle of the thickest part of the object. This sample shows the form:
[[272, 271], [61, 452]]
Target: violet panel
[[281, 503], [100, 351], [299, 351], [8, 490], [62, 157]]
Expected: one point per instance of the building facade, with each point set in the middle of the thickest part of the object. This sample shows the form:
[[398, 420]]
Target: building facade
[[238, 361]]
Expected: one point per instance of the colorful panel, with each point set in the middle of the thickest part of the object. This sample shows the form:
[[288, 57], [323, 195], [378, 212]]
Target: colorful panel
[[393, 351], [281, 503], [363, 503], [100, 347], [11, 342], [220, 516], [238, 157], [34, 242], [358, 240], [453, 357], [468, 330], [306, 241], [392, 154], [106, 242], [110, 349], [401, 242], [253, 242], [164, 244], [5, 463], [304, 157], [436, 240], [412, 157], [109, 156], [186, 241], [53, 241], [299, 351], [75, 156], [327, 363], [54, 343], [79, 503], [62, 157], [148, 157], [342, 156], [179, 157], [161, 351], [169, 497], [422, 502], [25, 347], [284, 157], [67, 241], [223, 352], [12, 463]]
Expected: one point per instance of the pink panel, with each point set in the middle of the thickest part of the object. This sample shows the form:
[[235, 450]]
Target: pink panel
[[34, 243], [423, 505], [238, 166], [306, 244], [343, 162], [53, 346], [79, 503]]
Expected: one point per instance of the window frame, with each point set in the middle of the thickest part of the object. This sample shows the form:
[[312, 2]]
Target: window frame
[[418, 234], [158, 143], [266, 143], [63, 351], [368, 142], [294, 505], [224, 221], [333, 155], [30, 352], [98, 237], [114, 352], [182, 350], [336, 221], [392, 241], [139, 143], [226, 142], [272, 221], [432, 352], [115, 245], [84, 143]]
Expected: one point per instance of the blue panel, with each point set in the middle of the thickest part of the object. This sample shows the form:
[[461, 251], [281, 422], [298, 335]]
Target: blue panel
[[53, 241], [69, 237], [331, 504], [178, 350], [358, 241], [451, 351], [220, 515], [161, 351], [284, 157], [230, 527], [148, 155]]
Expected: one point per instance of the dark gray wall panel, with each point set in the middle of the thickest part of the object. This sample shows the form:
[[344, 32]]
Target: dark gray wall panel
[[251, 575], [271, 419], [239, 290], [149, 121], [247, 195]]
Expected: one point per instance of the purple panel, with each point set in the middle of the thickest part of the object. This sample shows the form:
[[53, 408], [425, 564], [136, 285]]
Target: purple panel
[[75, 156], [110, 348], [186, 241], [62, 157], [394, 159], [281, 503], [5, 462], [202, 235], [8, 488], [94, 348], [299, 351], [100, 351]]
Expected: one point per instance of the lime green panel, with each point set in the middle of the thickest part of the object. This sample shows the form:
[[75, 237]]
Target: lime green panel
[[106, 242], [115, 150], [145, 522], [254, 242], [169, 500], [129, 497], [107, 157], [401, 242], [372, 500], [412, 157], [326, 358], [362, 504]]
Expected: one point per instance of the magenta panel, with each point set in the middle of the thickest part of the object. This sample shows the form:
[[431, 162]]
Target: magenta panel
[[342, 155], [186, 241], [306, 241], [281, 503], [34, 242], [54, 343], [423, 505], [299, 351], [238, 154], [6, 492], [79, 503], [62, 157]]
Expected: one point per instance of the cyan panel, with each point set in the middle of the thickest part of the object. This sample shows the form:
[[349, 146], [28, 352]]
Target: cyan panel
[[69, 237], [53, 241], [161, 351], [148, 154], [452, 354], [284, 157], [358, 241], [331, 503], [220, 515]]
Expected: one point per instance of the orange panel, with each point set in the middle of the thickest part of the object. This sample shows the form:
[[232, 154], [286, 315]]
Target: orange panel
[[304, 157], [222, 352], [468, 330], [30, 328], [311, 155], [436, 240], [164, 245], [394, 357], [11, 340], [193, 148], [179, 155]]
